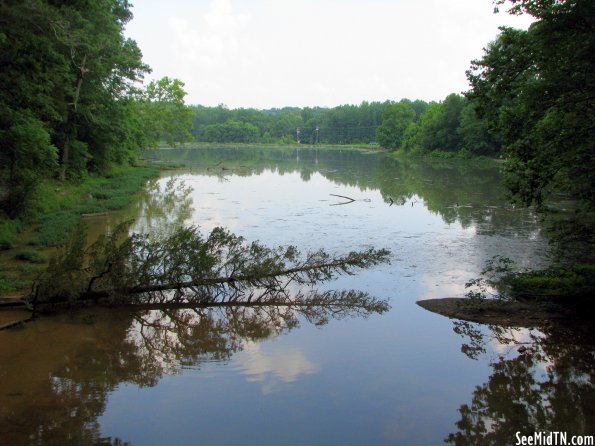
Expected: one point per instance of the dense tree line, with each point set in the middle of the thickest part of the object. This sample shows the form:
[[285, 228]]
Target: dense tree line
[[448, 126], [345, 124], [536, 89], [412, 126], [70, 101]]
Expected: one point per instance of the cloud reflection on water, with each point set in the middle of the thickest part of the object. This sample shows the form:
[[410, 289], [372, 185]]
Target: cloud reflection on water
[[273, 365]]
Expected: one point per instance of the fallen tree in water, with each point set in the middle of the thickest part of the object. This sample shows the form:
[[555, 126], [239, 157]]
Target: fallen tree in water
[[185, 267]]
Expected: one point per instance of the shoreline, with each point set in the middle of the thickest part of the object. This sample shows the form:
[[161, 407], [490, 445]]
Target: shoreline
[[496, 312]]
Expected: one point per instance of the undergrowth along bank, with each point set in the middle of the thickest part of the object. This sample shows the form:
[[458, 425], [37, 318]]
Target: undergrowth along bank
[[100, 194], [57, 210]]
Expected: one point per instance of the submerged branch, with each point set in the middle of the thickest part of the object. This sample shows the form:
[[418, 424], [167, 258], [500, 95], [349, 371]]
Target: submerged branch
[[351, 200]]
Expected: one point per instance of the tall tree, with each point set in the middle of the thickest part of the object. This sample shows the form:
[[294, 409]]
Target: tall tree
[[32, 70], [166, 117], [395, 120], [103, 67], [68, 65], [26, 155], [475, 135], [537, 88]]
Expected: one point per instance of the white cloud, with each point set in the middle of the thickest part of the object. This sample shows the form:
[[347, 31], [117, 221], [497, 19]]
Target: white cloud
[[206, 48], [265, 53]]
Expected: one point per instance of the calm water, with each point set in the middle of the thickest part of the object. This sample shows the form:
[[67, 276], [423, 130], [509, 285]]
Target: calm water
[[275, 376]]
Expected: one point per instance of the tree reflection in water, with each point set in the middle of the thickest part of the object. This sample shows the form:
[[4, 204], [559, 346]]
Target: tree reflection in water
[[541, 381], [56, 383], [164, 206]]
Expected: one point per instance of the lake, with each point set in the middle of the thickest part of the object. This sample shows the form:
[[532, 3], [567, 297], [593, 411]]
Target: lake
[[281, 376]]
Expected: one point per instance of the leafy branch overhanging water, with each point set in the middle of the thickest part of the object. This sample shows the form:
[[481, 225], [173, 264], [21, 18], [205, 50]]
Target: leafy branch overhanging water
[[184, 267]]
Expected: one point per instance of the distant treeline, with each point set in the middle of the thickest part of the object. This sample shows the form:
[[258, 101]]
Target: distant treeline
[[413, 126]]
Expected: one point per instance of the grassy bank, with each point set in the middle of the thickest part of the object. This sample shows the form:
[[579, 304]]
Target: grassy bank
[[64, 206], [439, 155], [58, 208]]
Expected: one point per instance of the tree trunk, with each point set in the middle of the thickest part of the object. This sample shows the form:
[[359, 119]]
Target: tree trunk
[[235, 282], [70, 125]]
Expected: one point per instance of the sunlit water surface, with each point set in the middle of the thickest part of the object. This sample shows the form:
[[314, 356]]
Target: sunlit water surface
[[270, 376]]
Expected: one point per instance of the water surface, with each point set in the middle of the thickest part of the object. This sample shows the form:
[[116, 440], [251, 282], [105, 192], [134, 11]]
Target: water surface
[[280, 376]]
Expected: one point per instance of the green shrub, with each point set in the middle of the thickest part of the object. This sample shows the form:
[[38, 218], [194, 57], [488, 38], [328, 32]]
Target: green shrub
[[443, 154], [55, 228], [553, 282], [90, 208], [31, 257], [8, 233], [9, 284]]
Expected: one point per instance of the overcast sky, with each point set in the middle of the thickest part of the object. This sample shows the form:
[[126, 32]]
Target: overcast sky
[[265, 53]]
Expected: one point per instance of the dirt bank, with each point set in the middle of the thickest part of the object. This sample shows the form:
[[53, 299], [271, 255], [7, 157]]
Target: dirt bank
[[494, 312]]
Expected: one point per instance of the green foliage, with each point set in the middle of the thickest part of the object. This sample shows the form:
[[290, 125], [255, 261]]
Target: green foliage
[[54, 196], [164, 115], [535, 87], [554, 282], [8, 233], [500, 279], [447, 129], [220, 267], [31, 257], [440, 125], [26, 155], [68, 104], [395, 120], [114, 191], [231, 131], [344, 124], [537, 8], [461, 154], [9, 284], [411, 126], [55, 228], [531, 85], [475, 136]]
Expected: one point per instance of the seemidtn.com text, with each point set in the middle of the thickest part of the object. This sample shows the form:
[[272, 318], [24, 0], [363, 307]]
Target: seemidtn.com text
[[554, 439]]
